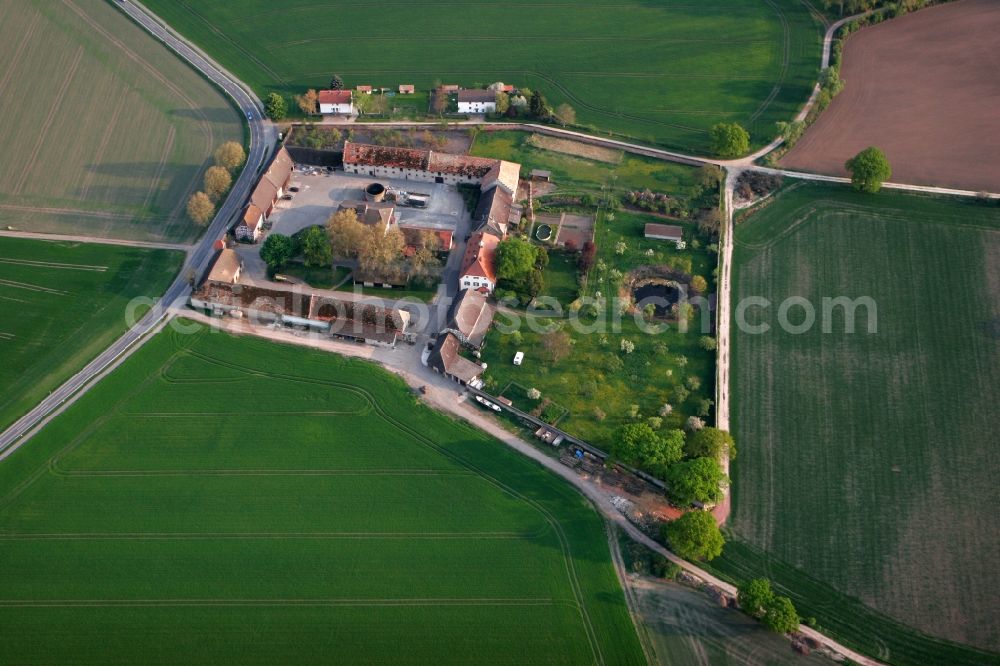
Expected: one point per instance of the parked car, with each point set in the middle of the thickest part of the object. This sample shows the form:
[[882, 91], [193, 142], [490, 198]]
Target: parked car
[[286, 197], [293, 188]]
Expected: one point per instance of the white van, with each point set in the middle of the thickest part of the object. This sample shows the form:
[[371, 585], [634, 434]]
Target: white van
[[518, 357]]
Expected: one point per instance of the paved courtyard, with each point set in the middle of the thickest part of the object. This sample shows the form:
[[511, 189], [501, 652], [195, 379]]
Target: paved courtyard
[[319, 196]]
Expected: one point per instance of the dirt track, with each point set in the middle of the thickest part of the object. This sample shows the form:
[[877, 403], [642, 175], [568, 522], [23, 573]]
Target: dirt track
[[926, 89]]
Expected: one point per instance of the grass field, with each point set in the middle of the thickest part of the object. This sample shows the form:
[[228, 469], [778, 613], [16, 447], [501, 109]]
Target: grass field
[[121, 135], [576, 174], [60, 305], [219, 498], [866, 480], [661, 72]]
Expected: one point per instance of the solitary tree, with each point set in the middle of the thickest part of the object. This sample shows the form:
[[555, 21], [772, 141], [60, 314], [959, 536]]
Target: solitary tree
[[275, 106], [336, 83], [316, 248], [564, 114], [710, 443], [695, 536], [696, 480], [217, 182], [729, 139], [515, 258], [780, 615], [276, 251], [755, 596], [230, 156], [869, 169], [308, 101], [640, 444], [699, 284], [200, 208]]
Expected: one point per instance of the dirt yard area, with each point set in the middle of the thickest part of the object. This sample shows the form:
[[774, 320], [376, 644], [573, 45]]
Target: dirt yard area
[[925, 89], [575, 148]]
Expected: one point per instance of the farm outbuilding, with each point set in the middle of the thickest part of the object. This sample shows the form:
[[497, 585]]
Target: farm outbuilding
[[667, 232]]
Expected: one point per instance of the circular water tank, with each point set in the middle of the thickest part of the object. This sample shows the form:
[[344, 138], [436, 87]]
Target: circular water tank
[[375, 192]]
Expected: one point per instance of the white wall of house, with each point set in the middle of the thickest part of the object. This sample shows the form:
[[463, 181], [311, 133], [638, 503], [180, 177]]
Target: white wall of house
[[477, 107], [328, 109], [409, 174], [475, 282]]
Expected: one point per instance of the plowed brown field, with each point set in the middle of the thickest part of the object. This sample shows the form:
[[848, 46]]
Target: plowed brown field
[[925, 88]]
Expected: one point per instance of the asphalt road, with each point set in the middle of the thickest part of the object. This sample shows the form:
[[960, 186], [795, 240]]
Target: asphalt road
[[261, 143]]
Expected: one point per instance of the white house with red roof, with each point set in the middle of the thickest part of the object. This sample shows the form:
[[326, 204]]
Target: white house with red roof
[[336, 102], [479, 265]]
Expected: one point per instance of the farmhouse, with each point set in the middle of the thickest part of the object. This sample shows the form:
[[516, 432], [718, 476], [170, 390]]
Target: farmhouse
[[477, 101], [271, 185], [667, 232], [471, 317], [248, 228], [446, 359], [226, 268], [336, 102], [478, 269]]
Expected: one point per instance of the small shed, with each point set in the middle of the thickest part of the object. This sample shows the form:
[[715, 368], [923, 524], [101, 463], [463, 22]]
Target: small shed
[[668, 232], [541, 175], [406, 89], [364, 89]]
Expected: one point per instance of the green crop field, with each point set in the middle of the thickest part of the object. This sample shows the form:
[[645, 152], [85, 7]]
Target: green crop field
[[122, 133], [659, 72], [866, 478], [63, 303], [220, 498]]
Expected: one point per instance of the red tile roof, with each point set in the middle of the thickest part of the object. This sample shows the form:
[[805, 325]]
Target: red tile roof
[[385, 156], [480, 256], [335, 97]]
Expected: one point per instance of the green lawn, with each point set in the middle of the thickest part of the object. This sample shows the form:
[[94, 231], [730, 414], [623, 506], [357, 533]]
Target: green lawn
[[866, 477], [320, 278], [560, 279], [221, 498], [125, 135], [63, 303], [661, 72]]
